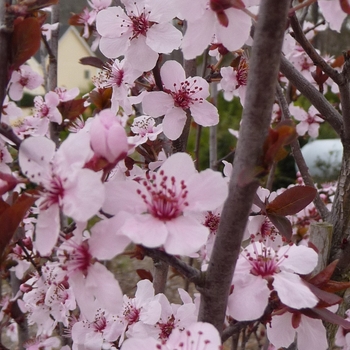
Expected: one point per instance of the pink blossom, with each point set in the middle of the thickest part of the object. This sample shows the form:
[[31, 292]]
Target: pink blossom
[[199, 336], [144, 128], [203, 25], [47, 29], [309, 121], [48, 108], [108, 137], [78, 192], [140, 314], [42, 343], [258, 266], [175, 316], [87, 18], [96, 334], [65, 95], [342, 337], [234, 81], [78, 255], [311, 333], [158, 209], [140, 33], [48, 299], [120, 76], [332, 13], [24, 77], [179, 95]]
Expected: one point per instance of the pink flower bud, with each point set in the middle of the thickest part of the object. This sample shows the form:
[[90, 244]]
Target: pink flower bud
[[108, 137]]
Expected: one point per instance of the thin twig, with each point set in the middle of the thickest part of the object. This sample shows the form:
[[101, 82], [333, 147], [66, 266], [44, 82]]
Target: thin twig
[[312, 53], [8, 132], [299, 159], [327, 111], [191, 273]]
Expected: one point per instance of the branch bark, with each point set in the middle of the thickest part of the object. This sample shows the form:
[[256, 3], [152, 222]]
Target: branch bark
[[53, 66], [328, 112], [262, 80], [299, 159], [5, 31]]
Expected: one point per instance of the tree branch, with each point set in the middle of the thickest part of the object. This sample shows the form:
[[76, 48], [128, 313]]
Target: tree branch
[[7, 131], [5, 31], [313, 54], [344, 90], [299, 159], [192, 274], [262, 80], [328, 112]]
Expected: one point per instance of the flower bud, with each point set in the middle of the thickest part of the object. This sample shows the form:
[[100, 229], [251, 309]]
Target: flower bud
[[108, 137]]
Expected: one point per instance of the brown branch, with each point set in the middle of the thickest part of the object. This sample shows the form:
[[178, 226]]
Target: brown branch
[[192, 274], [7, 131], [180, 144], [299, 159], [5, 32], [328, 112], [53, 65], [344, 90], [313, 54], [262, 80]]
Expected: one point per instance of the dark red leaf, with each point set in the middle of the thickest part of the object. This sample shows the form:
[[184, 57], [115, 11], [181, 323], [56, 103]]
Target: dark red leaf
[[72, 109], [9, 183], [144, 274], [92, 61], [345, 6], [326, 299], [12, 216], [323, 277], [25, 41], [282, 224], [331, 317], [292, 200]]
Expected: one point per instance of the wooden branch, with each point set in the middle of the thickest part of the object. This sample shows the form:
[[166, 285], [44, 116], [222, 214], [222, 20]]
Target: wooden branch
[[53, 66], [7, 131], [328, 112], [180, 144], [344, 90], [5, 32], [299, 159], [192, 274], [313, 54], [262, 80]]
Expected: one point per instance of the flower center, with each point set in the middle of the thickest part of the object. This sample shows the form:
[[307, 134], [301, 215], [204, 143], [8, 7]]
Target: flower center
[[212, 221], [140, 24], [41, 108], [166, 328], [100, 323], [131, 313], [165, 199], [54, 192], [79, 258], [264, 263], [143, 125], [183, 95], [242, 72]]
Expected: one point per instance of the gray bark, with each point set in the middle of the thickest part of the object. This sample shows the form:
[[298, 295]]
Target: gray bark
[[264, 68]]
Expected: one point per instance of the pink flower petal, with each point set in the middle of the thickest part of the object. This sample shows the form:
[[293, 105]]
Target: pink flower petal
[[293, 292], [280, 331], [174, 122], [186, 236], [248, 299], [157, 103], [47, 230]]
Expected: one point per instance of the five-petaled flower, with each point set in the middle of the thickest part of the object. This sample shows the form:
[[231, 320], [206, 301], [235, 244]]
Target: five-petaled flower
[[179, 95]]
